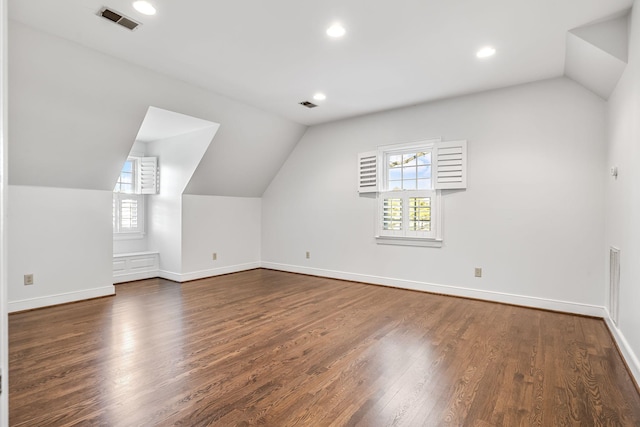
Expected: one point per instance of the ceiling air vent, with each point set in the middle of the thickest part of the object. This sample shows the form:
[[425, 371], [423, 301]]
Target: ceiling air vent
[[118, 18], [308, 104]]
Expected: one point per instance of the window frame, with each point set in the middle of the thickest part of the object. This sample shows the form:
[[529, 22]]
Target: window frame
[[120, 196], [432, 238]]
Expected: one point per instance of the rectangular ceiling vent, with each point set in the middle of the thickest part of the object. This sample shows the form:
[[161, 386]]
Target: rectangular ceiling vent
[[308, 104], [118, 18]]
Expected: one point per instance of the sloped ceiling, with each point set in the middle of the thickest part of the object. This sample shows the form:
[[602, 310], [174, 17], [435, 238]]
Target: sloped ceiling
[[597, 53], [162, 124], [274, 54], [74, 114], [80, 86]]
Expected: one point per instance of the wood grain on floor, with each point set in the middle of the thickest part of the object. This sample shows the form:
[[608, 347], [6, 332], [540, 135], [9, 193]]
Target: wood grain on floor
[[279, 349]]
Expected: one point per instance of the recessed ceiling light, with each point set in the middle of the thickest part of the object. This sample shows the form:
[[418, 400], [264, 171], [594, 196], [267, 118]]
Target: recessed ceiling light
[[336, 31], [486, 52], [319, 96], [144, 7]]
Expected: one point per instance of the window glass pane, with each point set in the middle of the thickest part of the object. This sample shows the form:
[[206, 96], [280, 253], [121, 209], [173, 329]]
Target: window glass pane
[[395, 185], [420, 214], [424, 184], [421, 226], [409, 173], [395, 161], [395, 174], [424, 158], [424, 171], [409, 159], [409, 184], [127, 178]]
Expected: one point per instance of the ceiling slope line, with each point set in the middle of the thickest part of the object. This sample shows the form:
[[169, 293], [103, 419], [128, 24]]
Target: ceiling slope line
[[596, 53]]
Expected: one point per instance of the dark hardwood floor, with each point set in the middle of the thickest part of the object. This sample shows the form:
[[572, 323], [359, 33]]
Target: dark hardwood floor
[[278, 349]]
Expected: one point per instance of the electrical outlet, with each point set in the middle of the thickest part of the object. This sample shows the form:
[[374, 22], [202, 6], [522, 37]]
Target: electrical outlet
[[28, 279], [478, 272], [214, 256], [308, 254]]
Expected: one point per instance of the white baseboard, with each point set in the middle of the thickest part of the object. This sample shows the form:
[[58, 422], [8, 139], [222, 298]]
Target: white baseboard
[[202, 274], [527, 301], [547, 304], [170, 275], [32, 303], [627, 353], [130, 277]]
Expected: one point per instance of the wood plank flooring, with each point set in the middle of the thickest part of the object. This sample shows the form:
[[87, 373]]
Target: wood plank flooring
[[278, 349]]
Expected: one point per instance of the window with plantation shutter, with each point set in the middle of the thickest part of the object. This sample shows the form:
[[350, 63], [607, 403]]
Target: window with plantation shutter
[[408, 179], [137, 178]]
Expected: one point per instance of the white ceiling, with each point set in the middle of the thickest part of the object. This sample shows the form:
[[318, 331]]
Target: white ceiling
[[275, 54], [162, 124]]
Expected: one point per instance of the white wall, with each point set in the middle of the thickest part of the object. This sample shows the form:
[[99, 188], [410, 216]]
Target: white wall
[[623, 197], [228, 226], [532, 216], [178, 157], [127, 246], [72, 124], [62, 237], [164, 230]]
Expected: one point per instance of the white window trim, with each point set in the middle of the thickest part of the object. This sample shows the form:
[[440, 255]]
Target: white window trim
[[448, 172], [427, 143], [138, 191], [435, 240], [409, 241], [126, 235]]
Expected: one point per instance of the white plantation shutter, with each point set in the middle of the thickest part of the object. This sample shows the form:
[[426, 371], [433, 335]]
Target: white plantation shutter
[[128, 213], [368, 172], [138, 177], [450, 165], [147, 175]]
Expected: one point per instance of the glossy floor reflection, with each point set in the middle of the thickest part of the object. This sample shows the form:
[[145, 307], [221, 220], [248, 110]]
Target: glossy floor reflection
[[278, 349]]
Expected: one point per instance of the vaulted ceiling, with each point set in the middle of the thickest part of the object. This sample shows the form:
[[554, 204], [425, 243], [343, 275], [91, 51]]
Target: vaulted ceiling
[[272, 55]]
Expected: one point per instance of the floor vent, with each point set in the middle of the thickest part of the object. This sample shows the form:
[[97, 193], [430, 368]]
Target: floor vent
[[118, 18], [308, 104], [614, 283]]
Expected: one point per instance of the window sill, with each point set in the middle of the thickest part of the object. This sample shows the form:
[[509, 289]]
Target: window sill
[[408, 241], [128, 236]]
